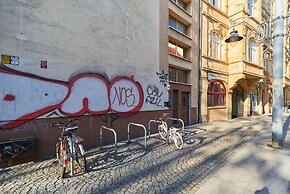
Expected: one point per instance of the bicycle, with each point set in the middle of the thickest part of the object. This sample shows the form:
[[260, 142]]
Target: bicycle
[[172, 134], [69, 148]]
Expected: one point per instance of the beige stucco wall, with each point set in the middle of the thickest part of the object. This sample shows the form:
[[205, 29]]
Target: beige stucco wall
[[234, 65]]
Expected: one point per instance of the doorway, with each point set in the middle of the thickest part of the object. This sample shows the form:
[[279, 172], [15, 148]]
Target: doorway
[[185, 107], [238, 102], [254, 103], [175, 104]]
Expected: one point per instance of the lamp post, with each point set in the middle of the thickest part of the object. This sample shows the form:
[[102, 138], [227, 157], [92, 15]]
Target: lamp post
[[278, 135]]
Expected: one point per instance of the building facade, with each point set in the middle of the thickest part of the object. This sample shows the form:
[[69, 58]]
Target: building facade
[[183, 58], [97, 61], [237, 77]]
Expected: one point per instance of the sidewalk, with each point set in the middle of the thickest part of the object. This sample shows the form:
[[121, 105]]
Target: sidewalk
[[256, 168], [218, 157]]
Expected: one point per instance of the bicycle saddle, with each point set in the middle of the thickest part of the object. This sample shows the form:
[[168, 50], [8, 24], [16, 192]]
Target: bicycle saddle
[[72, 128]]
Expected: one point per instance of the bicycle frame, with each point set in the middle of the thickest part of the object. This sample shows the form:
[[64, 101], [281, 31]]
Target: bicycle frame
[[171, 134], [70, 148]]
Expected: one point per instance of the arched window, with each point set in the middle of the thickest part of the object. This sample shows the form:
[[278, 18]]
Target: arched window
[[215, 46], [216, 94]]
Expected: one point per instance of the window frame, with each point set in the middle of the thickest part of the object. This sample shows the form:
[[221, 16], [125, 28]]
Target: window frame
[[252, 7], [178, 72], [177, 25], [215, 45], [216, 3], [251, 51], [219, 94], [177, 48], [180, 3]]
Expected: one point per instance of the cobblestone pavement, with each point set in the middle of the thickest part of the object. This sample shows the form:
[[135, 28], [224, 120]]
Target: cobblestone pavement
[[159, 169]]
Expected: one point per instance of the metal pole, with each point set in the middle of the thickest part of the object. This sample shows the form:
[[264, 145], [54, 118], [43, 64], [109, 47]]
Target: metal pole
[[277, 122]]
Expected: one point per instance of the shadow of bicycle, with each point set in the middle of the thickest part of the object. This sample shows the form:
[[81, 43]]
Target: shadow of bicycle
[[125, 152], [192, 136]]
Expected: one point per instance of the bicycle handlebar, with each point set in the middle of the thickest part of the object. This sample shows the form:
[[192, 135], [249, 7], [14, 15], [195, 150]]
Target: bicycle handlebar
[[165, 115], [73, 120], [59, 124]]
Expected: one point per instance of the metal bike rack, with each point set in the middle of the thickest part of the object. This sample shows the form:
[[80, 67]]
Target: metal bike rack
[[138, 125], [149, 126], [175, 119], [101, 136]]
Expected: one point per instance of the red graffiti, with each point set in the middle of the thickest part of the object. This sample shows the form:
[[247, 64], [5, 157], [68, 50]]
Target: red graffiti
[[32, 96], [9, 97]]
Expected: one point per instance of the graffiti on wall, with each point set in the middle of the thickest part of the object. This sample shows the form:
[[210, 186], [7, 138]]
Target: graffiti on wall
[[24, 97], [162, 77], [153, 95]]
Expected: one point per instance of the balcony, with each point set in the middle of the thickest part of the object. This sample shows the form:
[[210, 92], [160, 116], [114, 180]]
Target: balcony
[[180, 62], [179, 13], [180, 37], [248, 69]]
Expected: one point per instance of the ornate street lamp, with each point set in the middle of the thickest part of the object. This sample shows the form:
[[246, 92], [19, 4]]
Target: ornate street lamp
[[278, 134], [234, 37]]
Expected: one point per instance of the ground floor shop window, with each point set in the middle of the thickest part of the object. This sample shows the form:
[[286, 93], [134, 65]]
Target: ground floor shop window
[[216, 94]]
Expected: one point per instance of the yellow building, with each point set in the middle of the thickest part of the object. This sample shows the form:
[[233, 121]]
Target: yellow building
[[236, 77]]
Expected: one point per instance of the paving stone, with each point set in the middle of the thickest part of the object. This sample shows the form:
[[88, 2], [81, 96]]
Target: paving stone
[[162, 169]]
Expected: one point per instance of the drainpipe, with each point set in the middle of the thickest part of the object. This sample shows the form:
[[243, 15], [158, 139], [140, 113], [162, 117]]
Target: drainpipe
[[200, 64]]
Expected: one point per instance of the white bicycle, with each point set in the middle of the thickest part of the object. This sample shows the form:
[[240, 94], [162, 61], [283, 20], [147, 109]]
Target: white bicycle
[[173, 133]]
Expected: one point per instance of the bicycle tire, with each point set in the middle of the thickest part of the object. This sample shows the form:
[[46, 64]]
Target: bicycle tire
[[70, 156], [178, 140], [162, 131], [80, 158], [60, 161]]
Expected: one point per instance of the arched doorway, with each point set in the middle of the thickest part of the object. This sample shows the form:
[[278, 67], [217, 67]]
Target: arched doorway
[[238, 102], [254, 102]]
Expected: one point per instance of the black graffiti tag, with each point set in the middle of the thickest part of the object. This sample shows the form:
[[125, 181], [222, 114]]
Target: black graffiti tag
[[154, 96], [124, 96], [163, 77]]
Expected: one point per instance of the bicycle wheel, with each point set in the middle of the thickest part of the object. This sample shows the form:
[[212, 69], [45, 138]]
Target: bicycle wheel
[[60, 156], [178, 140], [80, 157], [162, 131], [70, 155]]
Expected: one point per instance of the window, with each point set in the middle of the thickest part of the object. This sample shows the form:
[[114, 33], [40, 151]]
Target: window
[[176, 50], [266, 59], [251, 6], [216, 94], [177, 25], [177, 75], [215, 46], [251, 51], [266, 66], [172, 22], [180, 3], [216, 3]]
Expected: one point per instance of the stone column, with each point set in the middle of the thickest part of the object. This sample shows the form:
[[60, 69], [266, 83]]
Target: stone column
[[229, 104], [247, 105]]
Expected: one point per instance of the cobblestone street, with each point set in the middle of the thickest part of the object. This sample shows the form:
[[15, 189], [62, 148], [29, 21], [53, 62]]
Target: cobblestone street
[[160, 168]]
